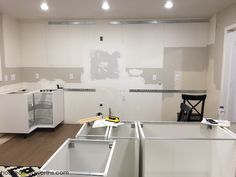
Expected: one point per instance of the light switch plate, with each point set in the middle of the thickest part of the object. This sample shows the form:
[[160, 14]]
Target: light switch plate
[[154, 77], [36, 75], [178, 76], [13, 77], [71, 76], [178, 80]]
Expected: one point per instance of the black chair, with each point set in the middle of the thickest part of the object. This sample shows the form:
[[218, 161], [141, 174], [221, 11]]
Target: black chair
[[196, 103], [185, 112]]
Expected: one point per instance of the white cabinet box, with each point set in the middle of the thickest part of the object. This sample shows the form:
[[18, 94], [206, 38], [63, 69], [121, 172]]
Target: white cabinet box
[[23, 112], [233, 127], [87, 132], [126, 156], [127, 149], [186, 150], [81, 158]]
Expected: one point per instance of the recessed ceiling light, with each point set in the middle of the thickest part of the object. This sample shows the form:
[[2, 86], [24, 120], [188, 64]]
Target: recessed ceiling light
[[105, 5], [44, 6], [154, 22], [75, 22], [114, 22], [169, 4]]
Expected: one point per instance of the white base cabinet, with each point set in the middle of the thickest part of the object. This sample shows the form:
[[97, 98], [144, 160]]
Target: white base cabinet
[[81, 158], [22, 112], [171, 149]]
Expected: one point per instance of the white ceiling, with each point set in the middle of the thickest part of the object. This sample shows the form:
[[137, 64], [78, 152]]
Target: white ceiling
[[132, 9]]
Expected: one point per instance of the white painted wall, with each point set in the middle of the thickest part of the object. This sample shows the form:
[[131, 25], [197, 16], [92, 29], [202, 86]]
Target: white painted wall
[[69, 46], [144, 46], [33, 44], [128, 106], [11, 39], [37, 44], [212, 30]]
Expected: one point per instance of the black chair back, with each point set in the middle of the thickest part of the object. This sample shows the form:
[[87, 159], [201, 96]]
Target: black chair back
[[196, 103]]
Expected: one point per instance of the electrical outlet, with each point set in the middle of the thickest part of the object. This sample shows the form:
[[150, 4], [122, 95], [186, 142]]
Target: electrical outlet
[[36, 75], [13, 77], [154, 77], [71, 76]]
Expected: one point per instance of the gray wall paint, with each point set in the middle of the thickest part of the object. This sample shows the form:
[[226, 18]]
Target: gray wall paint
[[188, 59], [192, 59], [184, 59], [28, 74]]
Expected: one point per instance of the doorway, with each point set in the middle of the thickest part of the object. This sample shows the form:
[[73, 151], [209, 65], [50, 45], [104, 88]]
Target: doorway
[[228, 85]]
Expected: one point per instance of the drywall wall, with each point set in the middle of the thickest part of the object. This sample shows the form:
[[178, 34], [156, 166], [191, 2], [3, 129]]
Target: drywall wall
[[177, 36], [147, 74], [73, 45], [69, 75], [11, 39], [223, 19], [184, 68], [212, 30], [10, 75], [112, 59], [181, 65], [144, 106], [186, 34]]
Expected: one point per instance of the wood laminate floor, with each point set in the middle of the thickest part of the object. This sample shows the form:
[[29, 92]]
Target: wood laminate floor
[[37, 147]]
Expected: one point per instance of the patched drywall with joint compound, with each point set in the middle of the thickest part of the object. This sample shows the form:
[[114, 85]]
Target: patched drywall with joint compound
[[104, 65], [150, 75]]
